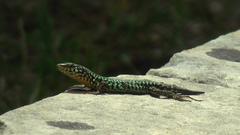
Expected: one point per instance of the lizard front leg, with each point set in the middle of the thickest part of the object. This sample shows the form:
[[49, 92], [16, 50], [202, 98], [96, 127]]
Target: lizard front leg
[[82, 89], [79, 87], [102, 87]]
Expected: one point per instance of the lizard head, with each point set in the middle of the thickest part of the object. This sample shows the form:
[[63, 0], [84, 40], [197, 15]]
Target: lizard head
[[69, 68], [76, 72]]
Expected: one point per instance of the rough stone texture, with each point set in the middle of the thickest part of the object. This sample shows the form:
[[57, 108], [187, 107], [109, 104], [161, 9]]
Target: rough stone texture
[[213, 67]]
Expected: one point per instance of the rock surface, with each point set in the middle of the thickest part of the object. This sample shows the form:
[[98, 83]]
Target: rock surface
[[213, 67]]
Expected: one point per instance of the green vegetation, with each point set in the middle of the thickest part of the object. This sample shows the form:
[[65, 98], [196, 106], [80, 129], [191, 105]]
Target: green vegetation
[[109, 37]]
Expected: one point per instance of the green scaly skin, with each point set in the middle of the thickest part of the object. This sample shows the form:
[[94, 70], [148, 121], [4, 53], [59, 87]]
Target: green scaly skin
[[101, 84]]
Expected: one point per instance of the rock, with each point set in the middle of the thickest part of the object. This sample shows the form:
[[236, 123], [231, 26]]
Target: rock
[[213, 68], [215, 63]]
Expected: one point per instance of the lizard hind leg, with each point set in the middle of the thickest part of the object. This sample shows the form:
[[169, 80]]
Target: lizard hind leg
[[155, 92]]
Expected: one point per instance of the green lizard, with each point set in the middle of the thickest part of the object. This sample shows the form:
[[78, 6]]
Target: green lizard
[[99, 84]]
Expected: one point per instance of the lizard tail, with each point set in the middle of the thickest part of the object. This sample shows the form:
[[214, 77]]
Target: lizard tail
[[188, 92]]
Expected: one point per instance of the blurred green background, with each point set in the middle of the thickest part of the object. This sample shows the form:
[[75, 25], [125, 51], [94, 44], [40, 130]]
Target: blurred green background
[[109, 37]]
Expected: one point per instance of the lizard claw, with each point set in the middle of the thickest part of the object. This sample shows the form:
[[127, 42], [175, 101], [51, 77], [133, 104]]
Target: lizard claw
[[184, 98]]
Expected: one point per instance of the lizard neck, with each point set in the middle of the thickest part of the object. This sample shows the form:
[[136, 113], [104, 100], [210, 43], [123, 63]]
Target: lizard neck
[[88, 78]]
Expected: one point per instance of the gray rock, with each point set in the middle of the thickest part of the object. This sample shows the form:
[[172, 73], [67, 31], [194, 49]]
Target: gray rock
[[215, 63], [213, 67]]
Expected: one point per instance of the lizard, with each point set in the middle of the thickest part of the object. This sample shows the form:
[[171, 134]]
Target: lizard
[[98, 84]]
